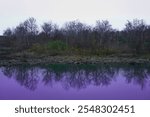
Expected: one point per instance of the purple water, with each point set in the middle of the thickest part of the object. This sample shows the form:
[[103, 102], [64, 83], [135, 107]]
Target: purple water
[[80, 84]]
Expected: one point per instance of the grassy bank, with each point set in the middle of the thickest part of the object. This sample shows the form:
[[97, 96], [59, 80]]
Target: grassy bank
[[44, 60], [60, 52]]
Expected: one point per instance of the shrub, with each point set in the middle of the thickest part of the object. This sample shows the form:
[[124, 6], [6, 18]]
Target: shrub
[[57, 46], [37, 48]]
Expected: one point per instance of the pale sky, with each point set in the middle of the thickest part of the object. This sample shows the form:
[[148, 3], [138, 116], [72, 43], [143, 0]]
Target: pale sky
[[12, 12]]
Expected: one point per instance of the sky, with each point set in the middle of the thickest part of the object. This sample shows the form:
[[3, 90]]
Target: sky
[[117, 12]]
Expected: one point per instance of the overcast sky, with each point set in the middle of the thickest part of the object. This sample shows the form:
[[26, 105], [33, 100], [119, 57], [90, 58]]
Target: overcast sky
[[12, 12]]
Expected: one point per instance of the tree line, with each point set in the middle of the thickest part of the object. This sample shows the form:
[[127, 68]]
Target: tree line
[[134, 38]]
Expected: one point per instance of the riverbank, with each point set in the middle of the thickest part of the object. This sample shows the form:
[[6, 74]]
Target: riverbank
[[44, 60]]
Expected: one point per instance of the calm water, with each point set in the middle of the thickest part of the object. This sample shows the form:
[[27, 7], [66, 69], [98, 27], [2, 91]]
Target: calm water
[[75, 82]]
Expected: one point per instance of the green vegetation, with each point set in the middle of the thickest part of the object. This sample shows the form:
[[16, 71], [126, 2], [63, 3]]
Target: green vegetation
[[51, 48], [60, 48], [57, 45]]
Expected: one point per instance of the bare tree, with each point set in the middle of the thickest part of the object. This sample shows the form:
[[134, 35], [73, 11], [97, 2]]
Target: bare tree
[[103, 30], [31, 26], [135, 31], [75, 32], [49, 29], [26, 31], [8, 32]]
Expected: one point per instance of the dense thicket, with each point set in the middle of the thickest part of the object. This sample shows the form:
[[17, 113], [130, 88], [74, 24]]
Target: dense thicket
[[77, 36]]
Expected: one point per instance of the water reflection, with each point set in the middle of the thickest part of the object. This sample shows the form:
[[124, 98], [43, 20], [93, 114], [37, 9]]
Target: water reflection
[[77, 76], [137, 74], [25, 76]]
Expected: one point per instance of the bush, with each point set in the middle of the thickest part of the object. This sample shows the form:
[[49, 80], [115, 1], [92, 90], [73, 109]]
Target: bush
[[37, 48], [57, 46], [51, 48]]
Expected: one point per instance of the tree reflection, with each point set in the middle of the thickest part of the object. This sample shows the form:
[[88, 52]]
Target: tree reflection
[[137, 74], [25, 76], [76, 76]]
